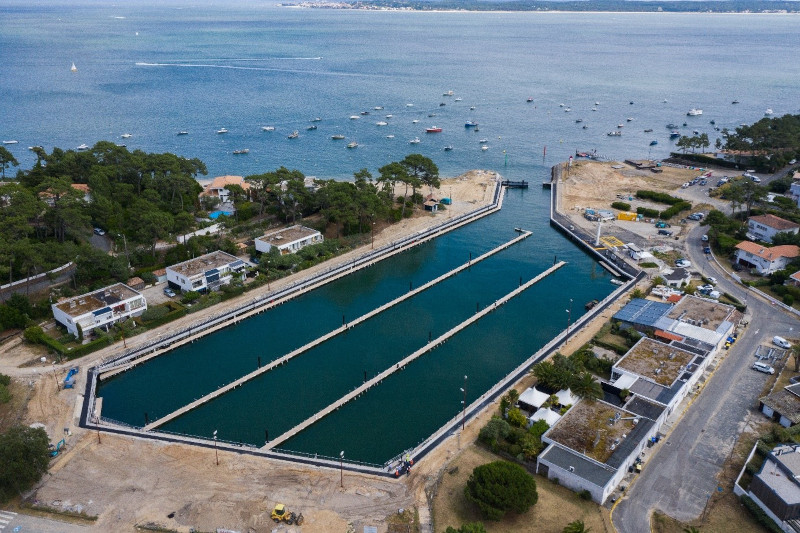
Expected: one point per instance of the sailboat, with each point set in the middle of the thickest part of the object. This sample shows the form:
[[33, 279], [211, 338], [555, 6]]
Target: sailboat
[[73, 68]]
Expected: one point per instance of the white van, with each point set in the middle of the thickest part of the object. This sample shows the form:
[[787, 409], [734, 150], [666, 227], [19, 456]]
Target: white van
[[780, 341], [762, 367]]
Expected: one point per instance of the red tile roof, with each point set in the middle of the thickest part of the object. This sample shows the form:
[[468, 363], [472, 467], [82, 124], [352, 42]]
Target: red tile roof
[[770, 254], [774, 222]]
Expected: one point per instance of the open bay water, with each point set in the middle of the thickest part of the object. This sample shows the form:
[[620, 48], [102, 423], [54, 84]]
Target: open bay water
[[153, 70]]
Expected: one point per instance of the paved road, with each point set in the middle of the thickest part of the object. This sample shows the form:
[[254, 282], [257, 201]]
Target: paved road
[[681, 474], [20, 523]]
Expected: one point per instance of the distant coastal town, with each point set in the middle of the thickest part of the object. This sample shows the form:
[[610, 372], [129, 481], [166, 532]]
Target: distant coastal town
[[725, 6]]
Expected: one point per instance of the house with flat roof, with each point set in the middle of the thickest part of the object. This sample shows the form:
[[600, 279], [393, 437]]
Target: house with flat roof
[[205, 273], [765, 260], [99, 309], [776, 487], [288, 240], [783, 405], [765, 227], [702, 324], [592, 446]]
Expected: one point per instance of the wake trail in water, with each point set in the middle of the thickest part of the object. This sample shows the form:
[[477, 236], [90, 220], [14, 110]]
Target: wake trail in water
[[264, 69]]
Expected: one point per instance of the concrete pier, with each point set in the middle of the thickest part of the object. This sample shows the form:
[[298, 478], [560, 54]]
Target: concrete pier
[[319, 340], [401, 364]]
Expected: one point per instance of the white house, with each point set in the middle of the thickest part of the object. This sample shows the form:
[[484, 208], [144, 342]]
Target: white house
[[99, 309], [765, 260], [288, 240], [205, 273], [765, 227]]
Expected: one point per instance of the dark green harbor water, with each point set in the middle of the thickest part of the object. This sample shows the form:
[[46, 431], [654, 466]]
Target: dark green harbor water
[[411, 404]]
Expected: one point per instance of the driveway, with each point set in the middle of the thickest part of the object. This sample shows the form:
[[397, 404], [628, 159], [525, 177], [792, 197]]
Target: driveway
[[682, 472]]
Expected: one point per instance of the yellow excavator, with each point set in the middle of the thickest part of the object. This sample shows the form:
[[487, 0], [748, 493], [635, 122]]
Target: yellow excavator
[[281, 514]]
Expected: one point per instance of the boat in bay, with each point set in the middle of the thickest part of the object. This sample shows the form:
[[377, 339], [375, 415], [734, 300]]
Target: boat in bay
[[694, 112], [10, 142], [337, 137], [73, 68], [470, 124], [83, 147], [653, 143], [433, 129], [352, 145], [382, 123], [126, 135], [267, 128], [183, 132], [448, 148], [294, 135], [222, 130], [311, 127], [415, 140], [242, 151]]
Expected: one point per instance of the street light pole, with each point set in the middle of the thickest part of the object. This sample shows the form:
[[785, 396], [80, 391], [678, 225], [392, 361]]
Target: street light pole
[[341, 469], [464, 405], [216, 453], [372, 228], [569, 314]]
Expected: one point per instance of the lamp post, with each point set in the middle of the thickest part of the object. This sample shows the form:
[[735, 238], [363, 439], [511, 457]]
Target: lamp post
[[216, 453], [464, 405], [341, 469], [569, 314], [372, 230]]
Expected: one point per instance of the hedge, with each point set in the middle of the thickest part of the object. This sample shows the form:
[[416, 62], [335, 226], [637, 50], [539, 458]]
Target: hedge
[[647, 212], [675, 209], [659, 197], [83, 349], [621, 350], [622, 206], [759, 514]]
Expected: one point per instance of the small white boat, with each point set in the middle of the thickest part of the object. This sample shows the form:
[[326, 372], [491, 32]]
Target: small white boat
[[294, 135], [389, 116], [267, 128], [378, 108], [414, 121], [337, 137], [37, 147], [316, 119], [629, 119], [73, 68], [448, 93], [415, 140], [768, 112], [483, 141], [594, 109], [222, 130], [390, 136], [126, 135], [409, 105], [597, 103], [448, 148], [560, 105], [567, 109], [183, 132], [484, 147], [381, 123], [694, 112], [615, 281], [354, 117], [620, 125], [472, 108], [242, 151], [122, 145], [353, 145], [83, 147], [614, 133], [458, 99], [12, 142]]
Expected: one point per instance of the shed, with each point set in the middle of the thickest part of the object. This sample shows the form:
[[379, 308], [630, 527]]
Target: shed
[[431, 205], [135, 283]]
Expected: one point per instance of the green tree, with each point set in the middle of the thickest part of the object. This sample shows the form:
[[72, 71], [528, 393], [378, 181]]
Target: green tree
[[6, 159], [499, 487], [422, 171], [586, 387], [576, 526], [470, 527], [24, 457]]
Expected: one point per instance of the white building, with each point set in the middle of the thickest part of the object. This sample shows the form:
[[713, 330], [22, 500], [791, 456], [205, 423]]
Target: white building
[[205, 273], [288, 240], [765, 227], [99, 309], [765, 260], [217, 187]]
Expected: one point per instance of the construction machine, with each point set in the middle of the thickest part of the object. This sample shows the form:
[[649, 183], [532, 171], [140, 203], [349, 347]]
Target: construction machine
[[281, 514]]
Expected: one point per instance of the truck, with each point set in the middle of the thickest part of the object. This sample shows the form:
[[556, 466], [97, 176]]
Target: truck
[[281, 514]]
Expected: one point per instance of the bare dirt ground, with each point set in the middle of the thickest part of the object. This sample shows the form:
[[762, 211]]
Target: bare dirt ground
[[127, 482]]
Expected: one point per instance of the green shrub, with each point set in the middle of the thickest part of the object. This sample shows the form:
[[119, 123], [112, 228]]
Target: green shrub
[[675, 209], [154, 313], [788, 299], [759, 514], [5, 394], [648, 264], [585, 495], [659, 197], [622, 206], [647, 212], [5, 380]]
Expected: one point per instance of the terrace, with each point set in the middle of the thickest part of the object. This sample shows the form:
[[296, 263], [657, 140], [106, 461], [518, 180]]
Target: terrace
[[658, 362]]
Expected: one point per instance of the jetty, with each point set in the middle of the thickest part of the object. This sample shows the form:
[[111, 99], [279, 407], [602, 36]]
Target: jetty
[[514, 184], [319, 340], [355, 393]]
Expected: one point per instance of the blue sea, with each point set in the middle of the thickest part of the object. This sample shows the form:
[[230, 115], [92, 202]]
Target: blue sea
[[152, 70]]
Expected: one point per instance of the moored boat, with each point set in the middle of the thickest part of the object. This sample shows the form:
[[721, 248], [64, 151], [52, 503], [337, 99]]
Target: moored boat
[[382, 123], [183, 132], [337, 137], [267, 128], [433, 129], [126, 135], [242, 151], [83, 147], [674, 134], [653, 143], [12, 141], [222, 130], [415, 140], [294, 135], [694, 112], [352, 145], [447, 148], [470, 124], [311, 127]]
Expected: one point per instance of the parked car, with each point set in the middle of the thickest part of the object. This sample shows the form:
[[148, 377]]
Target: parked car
[[704, 238], [763, 367], [780, 341], [99, 231], [712, 280], [169, 292], [665, 232], [683, 263]]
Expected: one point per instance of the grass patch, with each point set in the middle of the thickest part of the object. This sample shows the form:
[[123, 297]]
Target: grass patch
[[557, 506], [405, 522], [11, 412]]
